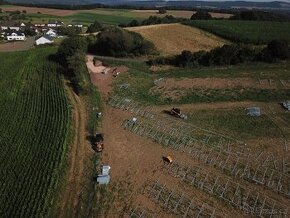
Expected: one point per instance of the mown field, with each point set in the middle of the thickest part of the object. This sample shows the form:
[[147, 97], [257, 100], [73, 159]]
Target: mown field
[[34, 133], [142, 83], [258, 32], [178, 37]]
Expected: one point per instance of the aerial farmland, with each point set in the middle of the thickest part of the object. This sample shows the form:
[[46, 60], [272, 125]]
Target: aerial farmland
[[129, 112]]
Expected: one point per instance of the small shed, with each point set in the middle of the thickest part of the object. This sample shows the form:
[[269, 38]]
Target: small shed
[[103, 180], [253, 111]]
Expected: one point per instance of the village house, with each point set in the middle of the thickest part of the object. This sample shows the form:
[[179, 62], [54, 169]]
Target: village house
[[51, 33], [39, 25], [78, 25], [9, 25], [55, 24], [15, 36]]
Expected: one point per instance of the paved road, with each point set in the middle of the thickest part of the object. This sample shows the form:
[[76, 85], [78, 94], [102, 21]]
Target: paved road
[[17, 46]]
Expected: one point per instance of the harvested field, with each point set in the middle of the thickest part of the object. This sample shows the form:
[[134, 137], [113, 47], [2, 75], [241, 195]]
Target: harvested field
[[48, 11], [178, 37], [175, 13]]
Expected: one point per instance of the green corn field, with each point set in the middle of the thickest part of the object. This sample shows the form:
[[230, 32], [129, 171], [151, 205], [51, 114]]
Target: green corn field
[[34, 132]]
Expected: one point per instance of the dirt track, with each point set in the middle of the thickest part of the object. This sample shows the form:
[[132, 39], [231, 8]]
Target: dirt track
[[78, 153]]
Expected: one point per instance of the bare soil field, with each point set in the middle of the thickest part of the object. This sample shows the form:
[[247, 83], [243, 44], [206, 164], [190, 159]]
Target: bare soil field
[[48, 11], [177, 13], [137, 161], [17, 46], [172, 39]]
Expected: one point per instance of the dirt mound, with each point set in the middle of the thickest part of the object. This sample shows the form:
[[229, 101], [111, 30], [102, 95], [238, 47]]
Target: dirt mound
[[178, 37]]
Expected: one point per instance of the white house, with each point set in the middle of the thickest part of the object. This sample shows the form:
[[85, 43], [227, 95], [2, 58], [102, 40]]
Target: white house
[[55, 24], [78, 25], [9, 25], [15, 36], [51, 33], [39, 25], [44, 40]]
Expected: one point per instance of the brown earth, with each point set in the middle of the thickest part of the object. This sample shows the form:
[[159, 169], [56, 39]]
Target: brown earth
[[136, 161], [33, 10], [171, 39], [17, 46], [79, 151]]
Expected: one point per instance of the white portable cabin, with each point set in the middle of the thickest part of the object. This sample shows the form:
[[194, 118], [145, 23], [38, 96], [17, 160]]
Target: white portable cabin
[[103, 180]]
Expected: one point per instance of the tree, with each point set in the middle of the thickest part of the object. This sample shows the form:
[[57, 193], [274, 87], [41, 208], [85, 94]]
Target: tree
[[77, 69], [133, 23], [275, 50], [118, 42], [162, 11], [95, 27], [69, 31], [29, 32], [201, 15], [70, 46]]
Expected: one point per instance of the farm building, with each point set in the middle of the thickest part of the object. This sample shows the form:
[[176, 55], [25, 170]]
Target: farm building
[[46, 39]]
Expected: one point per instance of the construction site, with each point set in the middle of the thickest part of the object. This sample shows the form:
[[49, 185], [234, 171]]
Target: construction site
[[161, 165]]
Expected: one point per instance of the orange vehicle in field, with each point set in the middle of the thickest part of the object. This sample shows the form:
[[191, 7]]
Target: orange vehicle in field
[[98, 144]]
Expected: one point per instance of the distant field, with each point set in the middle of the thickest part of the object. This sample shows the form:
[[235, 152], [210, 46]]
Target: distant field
[[33, 133], [175, 13], [82, 17], [108, 16], [172, 39], [258, 32]]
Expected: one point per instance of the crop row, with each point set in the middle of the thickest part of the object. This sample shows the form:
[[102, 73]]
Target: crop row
[[33, 130]]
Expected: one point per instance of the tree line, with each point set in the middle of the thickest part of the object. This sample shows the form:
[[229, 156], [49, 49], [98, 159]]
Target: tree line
[[228, 55]]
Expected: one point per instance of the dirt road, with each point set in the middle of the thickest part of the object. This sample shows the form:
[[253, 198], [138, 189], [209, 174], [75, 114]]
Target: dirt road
[[78, 153]]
